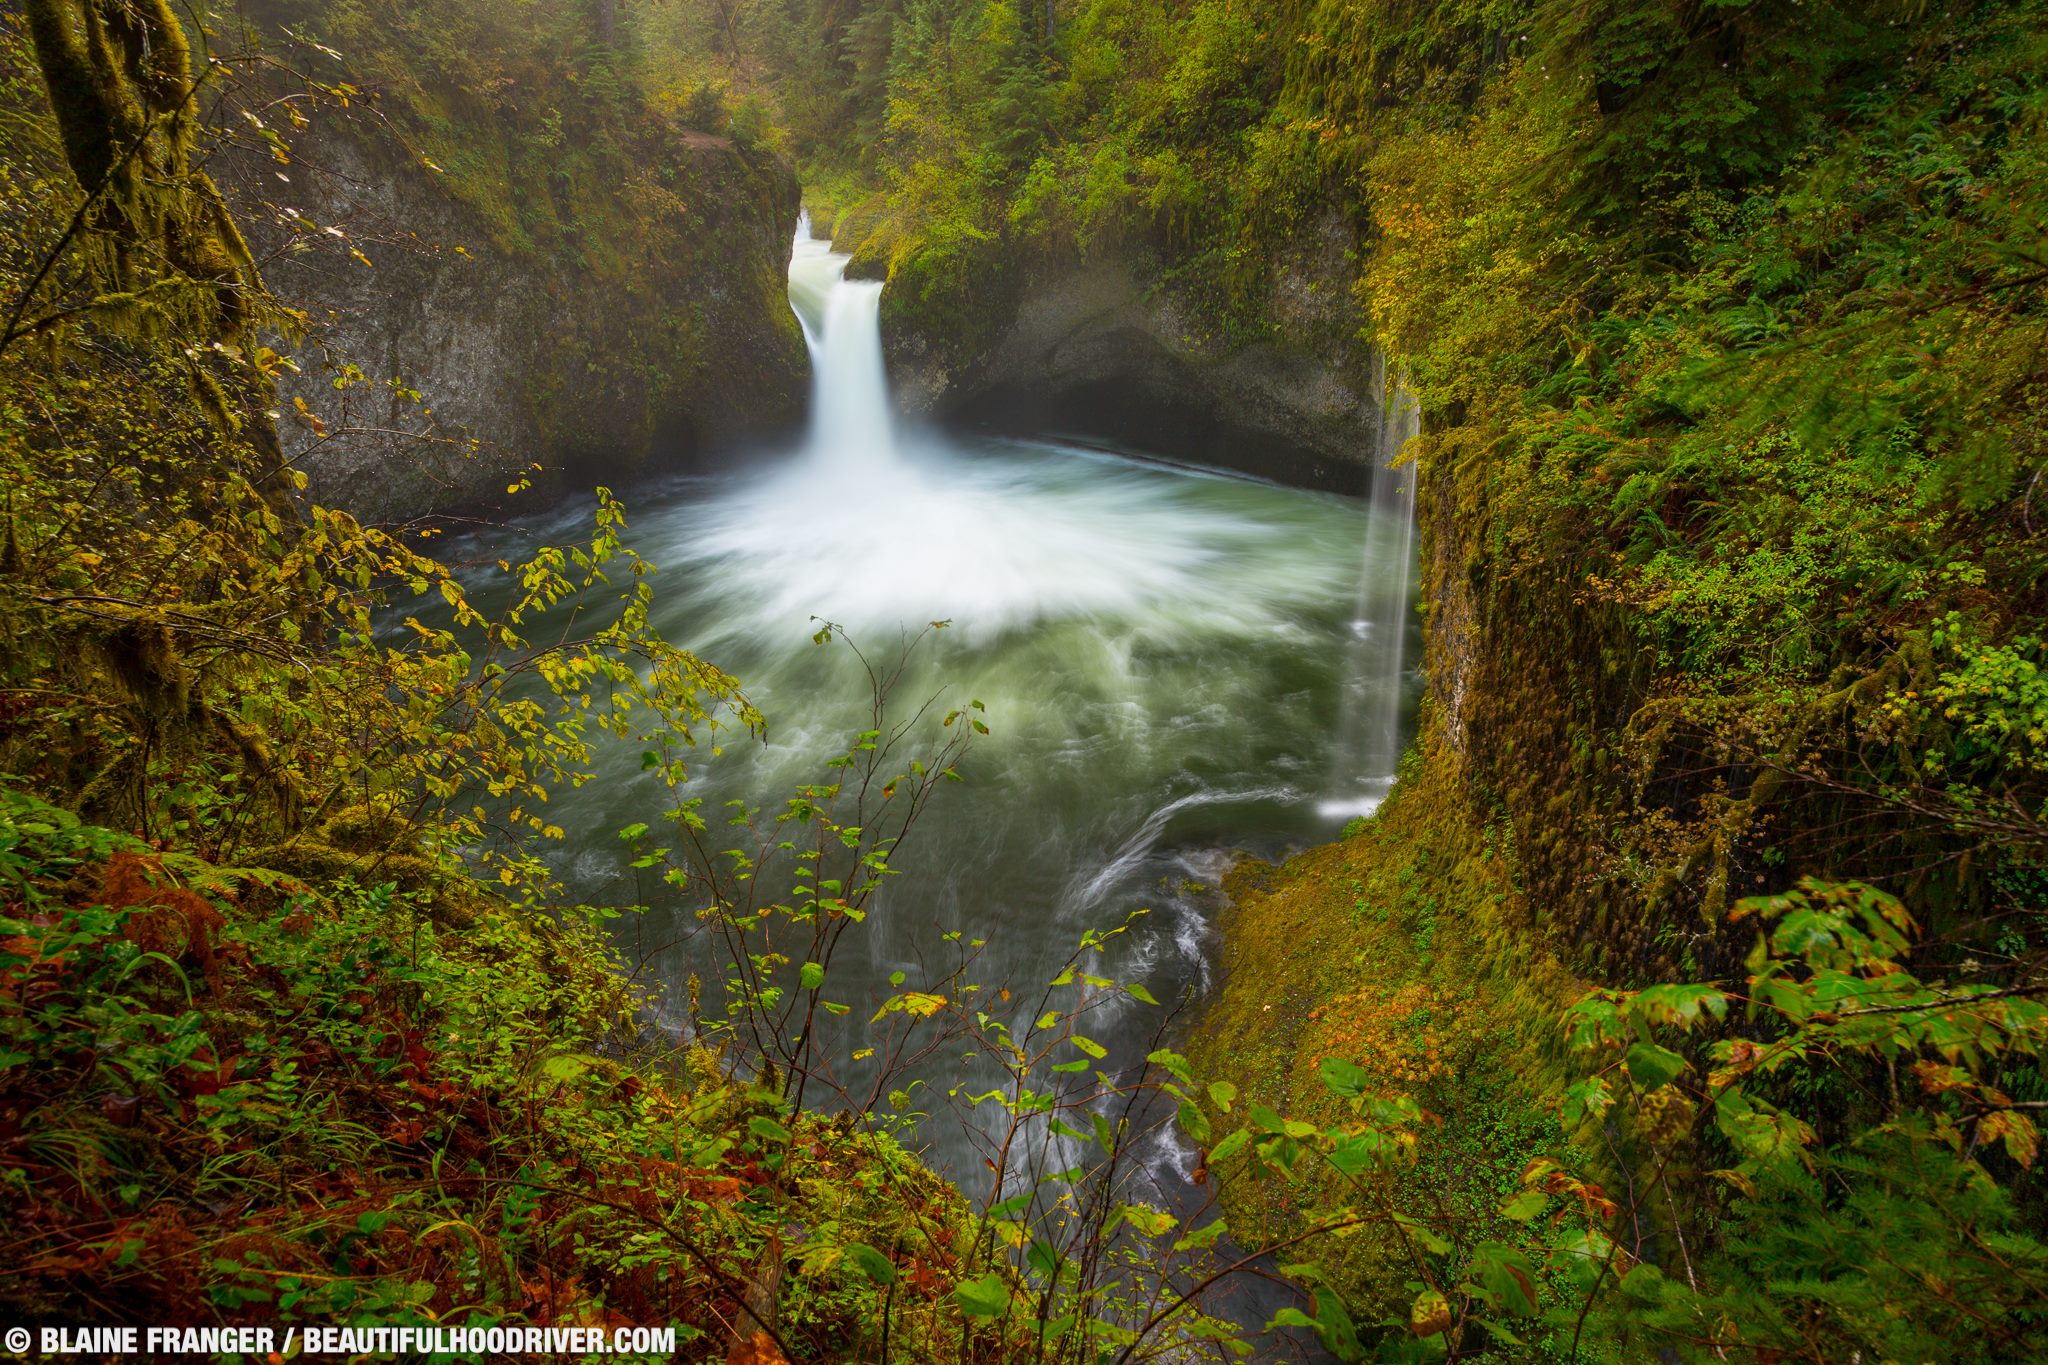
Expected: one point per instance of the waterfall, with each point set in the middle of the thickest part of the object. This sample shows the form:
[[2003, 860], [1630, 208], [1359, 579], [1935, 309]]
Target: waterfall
[[1393, 493], [1375, 679], [851, 426], [1157, 647]]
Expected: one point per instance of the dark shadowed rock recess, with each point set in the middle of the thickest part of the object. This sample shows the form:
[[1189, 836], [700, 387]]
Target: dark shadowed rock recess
[[1101, 351]]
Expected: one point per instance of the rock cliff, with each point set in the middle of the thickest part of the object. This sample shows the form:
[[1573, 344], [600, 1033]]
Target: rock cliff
[[447, 357], [1107, 349]]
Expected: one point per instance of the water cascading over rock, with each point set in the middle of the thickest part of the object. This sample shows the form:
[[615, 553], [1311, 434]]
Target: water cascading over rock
[[851, 422], [1371, 723], [1161, 651]]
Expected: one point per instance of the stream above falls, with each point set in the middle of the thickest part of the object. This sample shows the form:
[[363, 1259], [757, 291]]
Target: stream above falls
[[1176, 665]]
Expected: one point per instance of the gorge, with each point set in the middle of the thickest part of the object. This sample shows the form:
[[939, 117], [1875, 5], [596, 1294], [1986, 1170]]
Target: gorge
[[1176, 665], [1510, 532]]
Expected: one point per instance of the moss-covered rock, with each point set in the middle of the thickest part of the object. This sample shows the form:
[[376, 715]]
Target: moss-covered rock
[[605, 298]]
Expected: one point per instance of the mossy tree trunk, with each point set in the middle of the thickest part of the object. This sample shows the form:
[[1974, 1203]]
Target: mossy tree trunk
[[160, 252]]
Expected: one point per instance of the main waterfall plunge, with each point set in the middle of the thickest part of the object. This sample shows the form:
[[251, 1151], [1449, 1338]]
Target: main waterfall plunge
[[1175, 664], [877, 532]]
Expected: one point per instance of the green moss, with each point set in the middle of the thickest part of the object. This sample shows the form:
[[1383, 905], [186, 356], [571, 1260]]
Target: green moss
[[1406, 948]]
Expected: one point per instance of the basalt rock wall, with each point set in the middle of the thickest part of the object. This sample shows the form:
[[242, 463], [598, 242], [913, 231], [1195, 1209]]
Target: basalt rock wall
[[1109, 349], [445, 362]]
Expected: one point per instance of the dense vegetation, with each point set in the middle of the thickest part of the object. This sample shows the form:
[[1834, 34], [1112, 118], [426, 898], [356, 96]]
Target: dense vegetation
[[1727, 327]]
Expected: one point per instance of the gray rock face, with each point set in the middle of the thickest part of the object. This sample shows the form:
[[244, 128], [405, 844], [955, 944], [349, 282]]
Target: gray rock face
[[1096, 352], [450, 367]]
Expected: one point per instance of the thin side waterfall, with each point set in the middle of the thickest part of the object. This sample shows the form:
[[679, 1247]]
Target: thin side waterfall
[[1374, 683], [1393, 492], [851, 424]]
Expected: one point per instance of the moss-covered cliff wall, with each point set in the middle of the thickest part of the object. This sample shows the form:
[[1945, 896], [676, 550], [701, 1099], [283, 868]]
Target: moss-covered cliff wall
[[545, 263], [1726, 345]]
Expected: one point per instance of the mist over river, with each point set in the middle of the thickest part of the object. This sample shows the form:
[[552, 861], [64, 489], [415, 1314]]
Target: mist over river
[[1175, 664]]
